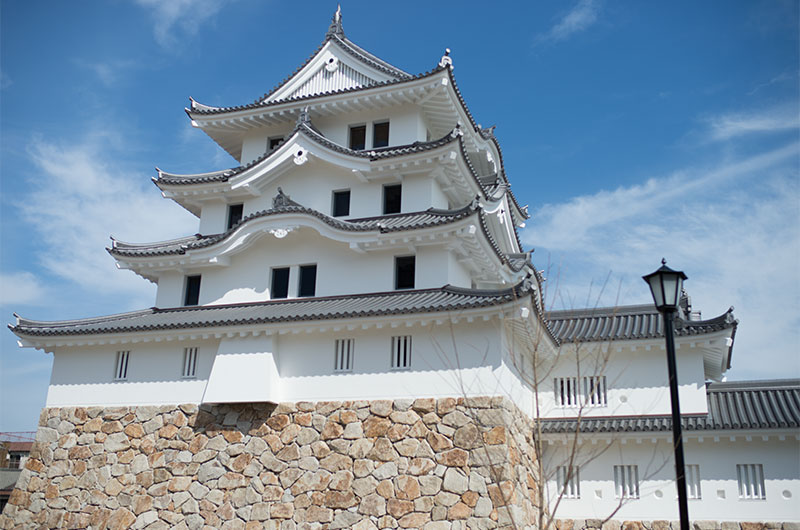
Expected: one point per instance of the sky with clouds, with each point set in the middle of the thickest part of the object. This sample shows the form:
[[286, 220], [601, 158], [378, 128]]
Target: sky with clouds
[[634, 130]]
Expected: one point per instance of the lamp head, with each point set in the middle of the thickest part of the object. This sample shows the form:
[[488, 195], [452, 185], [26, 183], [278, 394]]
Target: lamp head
[[665, 286]]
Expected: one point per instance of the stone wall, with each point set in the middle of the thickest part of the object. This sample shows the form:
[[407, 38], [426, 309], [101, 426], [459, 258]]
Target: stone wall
[[433, 464], [597, 524]]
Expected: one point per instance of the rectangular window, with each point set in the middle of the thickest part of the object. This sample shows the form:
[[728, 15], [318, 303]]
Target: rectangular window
[[343, 355], [751, 481], [274, 142], [401, 352], [280, 283], [121, 368], [14, 460], [234, 214], [358, 137], [391, 198], [189, 362], [192, 292], [380, 134], [404, 269], [308, 280], [626, 482], [341, 203], [693, 481], [575, 392], [569, 482]]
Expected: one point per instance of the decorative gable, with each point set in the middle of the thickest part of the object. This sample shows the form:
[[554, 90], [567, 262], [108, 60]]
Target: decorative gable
[[333, 76]]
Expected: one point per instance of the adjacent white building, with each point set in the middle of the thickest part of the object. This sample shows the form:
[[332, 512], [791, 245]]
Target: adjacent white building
[[366, 247]]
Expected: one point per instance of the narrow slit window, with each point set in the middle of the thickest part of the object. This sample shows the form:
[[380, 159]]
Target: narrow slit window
[[343, 355], [626, 481], [392, 198], [569, 482], [280, 283], [589, 391], [189, 363], [234, 214], [274, 142], [594, 388], [693, 481], [341, 203], [121, 367], [751, 481], [401, 352], [192, 292], [308, 281], [404, 271], [358, 137], [380, 134]]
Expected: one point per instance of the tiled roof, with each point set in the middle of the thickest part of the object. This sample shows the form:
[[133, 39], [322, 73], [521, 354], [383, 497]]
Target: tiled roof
[[739, 405], [626, 323], [383, 224], [310, 132], [443, 299]]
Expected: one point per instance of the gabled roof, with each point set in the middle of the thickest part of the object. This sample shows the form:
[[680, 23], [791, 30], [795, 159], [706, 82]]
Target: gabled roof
[[382, 224], [738, 405], [627, 323], [443, 299]]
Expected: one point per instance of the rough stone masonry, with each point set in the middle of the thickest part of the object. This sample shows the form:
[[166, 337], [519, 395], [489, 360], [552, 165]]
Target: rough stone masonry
[[425, 463]]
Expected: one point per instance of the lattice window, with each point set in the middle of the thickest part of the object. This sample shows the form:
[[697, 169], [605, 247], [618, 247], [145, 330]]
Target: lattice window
[[588, 391], [121, 368], [751, 481], [401, 352], [189, 362], [626, 481], [693, 481], [569, 482], [343, 355]]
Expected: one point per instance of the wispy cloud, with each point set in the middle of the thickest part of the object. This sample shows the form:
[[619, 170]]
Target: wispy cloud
[[578, 19], [108, 72], [5, 81], [775, 119], [785, 76], [733, 228], [21, 288], [82, 194], [179, 18]]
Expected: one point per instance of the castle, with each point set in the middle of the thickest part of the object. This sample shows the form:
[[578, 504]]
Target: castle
[[355, 337]]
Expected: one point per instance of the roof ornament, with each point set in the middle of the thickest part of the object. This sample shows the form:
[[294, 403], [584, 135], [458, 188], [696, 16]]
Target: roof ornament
[[304, 117], [281, 200], [332, 64], [336, 28], [300, 157], [446, 61], [457, 131]]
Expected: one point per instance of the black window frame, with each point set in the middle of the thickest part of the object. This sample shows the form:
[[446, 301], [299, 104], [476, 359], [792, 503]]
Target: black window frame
[[401, 271], [277, 273], [235, 214], [375, 127], [191, 291], [307, 280], [396, 204], [336, 204], [362, 129]]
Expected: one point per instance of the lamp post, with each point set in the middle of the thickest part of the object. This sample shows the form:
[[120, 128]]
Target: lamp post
[[665, 286]]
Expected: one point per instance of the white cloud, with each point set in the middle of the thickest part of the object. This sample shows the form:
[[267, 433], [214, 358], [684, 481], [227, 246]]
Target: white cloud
[[776, 119], [108, 72], [80, 195], [578, 19], [734, 230], [177, 18], [21, 288]]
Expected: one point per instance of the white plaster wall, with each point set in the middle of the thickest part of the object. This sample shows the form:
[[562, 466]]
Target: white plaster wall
[[244, 371], [340, 270], [85, 376], [170, 289], [213, 217], [636, 379], [718, 482]]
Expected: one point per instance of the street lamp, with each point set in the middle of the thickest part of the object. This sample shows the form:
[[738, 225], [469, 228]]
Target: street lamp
[[665, 286]]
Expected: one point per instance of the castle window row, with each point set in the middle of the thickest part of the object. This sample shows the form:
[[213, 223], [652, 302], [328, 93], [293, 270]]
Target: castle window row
[[750, 480], [357, 135]]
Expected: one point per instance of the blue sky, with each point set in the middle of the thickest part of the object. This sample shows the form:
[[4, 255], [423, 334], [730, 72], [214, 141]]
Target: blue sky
[[634, 130]]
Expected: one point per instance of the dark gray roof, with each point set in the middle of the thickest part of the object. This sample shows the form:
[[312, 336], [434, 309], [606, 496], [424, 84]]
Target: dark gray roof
[[382, 224], [738, 405], [443, 299], [309, 131], [627, 322]]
